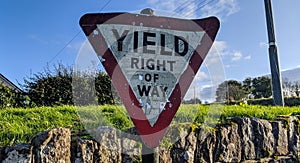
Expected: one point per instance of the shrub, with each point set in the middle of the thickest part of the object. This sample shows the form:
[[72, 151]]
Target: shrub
[[6, 96], [62, 86], [294, 101], [11, 98]]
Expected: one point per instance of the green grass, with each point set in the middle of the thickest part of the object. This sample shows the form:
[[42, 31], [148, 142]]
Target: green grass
[[106, 115], [20, 125], [219, 113]]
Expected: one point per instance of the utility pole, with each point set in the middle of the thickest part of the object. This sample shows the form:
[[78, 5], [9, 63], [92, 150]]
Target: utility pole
[[194, 94], [273, 56]]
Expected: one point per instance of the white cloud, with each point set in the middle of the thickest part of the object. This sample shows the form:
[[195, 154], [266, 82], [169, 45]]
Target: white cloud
[[69, 46], [263, 44], [192, 9], [227, 66], [236, 56], [222, 9], [218, 50], [86, 59], [247, 57], [207, 93], [168, 5], [221, 47], [205, 82], [38, 39], [153, 1], [204, 93], [221, 50], [200, 77]]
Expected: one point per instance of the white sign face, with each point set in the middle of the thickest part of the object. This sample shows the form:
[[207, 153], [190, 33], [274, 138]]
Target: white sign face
[[152, 61]]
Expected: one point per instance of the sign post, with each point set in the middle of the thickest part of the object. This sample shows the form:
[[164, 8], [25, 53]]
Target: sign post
[[152, 61]]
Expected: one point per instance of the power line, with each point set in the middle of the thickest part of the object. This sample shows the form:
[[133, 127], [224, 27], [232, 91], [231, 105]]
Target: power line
[[62, 49], [180, 7], [198, 8], [195, 8], [104, 5], [69, 42]]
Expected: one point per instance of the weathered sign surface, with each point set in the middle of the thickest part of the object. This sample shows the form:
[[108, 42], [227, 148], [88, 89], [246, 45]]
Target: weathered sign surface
[[151, 61]]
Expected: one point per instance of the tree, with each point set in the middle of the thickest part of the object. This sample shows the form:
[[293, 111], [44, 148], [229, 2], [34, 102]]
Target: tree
[[247, 85], [290, 89], [11, 98], [51, 88], [230, 91], [103, 89], [62, 86], [261, 87], [91, 89], [6, 96], [222, 93], [297, 88], [287, 87]]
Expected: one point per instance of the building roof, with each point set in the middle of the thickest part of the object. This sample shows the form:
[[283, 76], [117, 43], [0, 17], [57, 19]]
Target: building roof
[[8, 83]]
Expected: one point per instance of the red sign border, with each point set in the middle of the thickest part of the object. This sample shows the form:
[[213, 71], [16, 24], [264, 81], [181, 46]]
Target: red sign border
[[150, 135]]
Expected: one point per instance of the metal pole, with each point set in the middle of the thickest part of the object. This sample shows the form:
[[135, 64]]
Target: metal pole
[[149, 155], [274, 61]]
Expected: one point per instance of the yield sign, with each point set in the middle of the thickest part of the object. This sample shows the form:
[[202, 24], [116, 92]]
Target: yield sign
[[151, 61]]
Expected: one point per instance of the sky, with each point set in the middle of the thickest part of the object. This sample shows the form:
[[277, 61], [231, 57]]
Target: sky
[[37, 33]]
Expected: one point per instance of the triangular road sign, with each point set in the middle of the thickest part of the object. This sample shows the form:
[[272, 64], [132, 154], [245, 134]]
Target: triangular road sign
[[151, 61]]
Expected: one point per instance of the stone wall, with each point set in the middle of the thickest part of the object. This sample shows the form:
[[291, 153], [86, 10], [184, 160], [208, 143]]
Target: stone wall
[[239, 140]]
